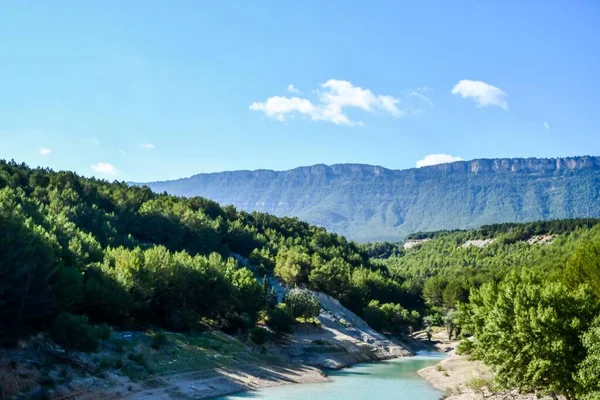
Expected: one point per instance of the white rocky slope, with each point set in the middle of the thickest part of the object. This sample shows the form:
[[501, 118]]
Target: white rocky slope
[[342, 339]]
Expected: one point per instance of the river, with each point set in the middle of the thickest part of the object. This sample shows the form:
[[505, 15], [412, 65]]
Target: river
[[394, 379]]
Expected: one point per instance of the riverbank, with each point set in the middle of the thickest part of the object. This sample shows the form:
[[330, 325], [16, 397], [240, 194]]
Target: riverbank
[[221, 382], [340, 340], [461, 378], [203, 365]]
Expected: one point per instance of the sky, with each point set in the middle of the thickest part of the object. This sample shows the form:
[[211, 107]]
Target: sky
[[156, 90]]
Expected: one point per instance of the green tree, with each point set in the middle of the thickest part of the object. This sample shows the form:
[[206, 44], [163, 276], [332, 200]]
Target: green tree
[[291, 264], [303, 303], [584, 266], [333, 277], [433, 291], [588, 374], [539, 345]]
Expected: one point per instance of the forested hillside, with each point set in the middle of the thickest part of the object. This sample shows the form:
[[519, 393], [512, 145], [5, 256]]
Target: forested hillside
[[368, 203], [132, 258], [79, 255], [524, 298]]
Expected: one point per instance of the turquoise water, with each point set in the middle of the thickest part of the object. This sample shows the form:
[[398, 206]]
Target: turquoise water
[[394, 379]]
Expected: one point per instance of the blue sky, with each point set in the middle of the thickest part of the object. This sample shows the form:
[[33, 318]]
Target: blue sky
[[143, 91]]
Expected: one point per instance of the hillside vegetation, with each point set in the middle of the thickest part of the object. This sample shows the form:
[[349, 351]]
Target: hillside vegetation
[[528, 308], [372, 203], [80, 255], [80, 251]]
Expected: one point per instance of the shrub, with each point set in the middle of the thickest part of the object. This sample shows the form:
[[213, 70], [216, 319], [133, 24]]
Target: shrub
[[374, 316], [465, 347], [258, 335], [73, 332], [303, 303], [281, 319], [234, 323], [159, 340], [433, 320]]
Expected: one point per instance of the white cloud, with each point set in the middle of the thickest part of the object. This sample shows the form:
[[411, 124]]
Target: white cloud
[[546, 125], [419, 94], [292, 89], [148, 146], [105, 169], [44, 151], [336, 95], [482, 93], [434, 159], [122, 151]]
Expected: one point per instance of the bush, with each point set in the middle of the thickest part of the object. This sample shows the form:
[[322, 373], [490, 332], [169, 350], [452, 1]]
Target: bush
[[433, 320], [235, 323], [73, 332], [374, 316], [159, 340], [303, 303], [258, 335], [281, 319], [465, 347]]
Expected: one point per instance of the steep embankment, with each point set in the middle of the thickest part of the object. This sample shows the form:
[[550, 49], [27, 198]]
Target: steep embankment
[[368, 203], [342, 339]]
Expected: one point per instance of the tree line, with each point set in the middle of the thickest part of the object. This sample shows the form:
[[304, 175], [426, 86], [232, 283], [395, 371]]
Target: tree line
[[128, 257]]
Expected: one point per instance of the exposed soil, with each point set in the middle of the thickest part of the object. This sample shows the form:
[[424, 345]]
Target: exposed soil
[[461, 378]]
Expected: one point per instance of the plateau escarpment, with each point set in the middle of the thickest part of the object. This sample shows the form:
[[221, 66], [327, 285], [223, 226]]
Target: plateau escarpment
[[368, 203]]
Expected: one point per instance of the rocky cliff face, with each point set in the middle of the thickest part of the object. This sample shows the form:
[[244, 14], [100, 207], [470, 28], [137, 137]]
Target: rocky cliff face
[[367, 202]]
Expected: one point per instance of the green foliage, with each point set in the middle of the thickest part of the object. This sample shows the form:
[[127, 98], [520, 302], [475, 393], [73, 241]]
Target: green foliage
[[584, 266], [332, 277], [465, 347], [540, 323], [251, 298], [74, 332], [133, 258], [589, 370], [281, 319], [434, 319], [292, 265], [302, 303], [258, 335], [159, 340], [390, 317]]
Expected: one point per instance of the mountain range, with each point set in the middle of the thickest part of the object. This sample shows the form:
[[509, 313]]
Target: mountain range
[[372, 203]]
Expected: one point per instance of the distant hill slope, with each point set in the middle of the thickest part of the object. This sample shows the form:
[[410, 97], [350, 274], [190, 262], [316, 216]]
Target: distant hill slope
[[368, 203]]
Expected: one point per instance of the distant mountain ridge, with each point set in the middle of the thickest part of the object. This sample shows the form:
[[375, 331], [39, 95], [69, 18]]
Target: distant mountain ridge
[[366, 202]]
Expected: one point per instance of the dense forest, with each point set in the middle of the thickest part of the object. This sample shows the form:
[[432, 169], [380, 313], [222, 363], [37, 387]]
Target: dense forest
[[128, 257], [79, 255], [525, 298]]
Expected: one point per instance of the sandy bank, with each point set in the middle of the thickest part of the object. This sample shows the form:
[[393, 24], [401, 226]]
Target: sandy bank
[[461, 378]]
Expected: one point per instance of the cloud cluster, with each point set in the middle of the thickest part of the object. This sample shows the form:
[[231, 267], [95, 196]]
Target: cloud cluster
[[44, 151], [148, 146], [434, 159], [482, 93], [105, 169], [333, 98]]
